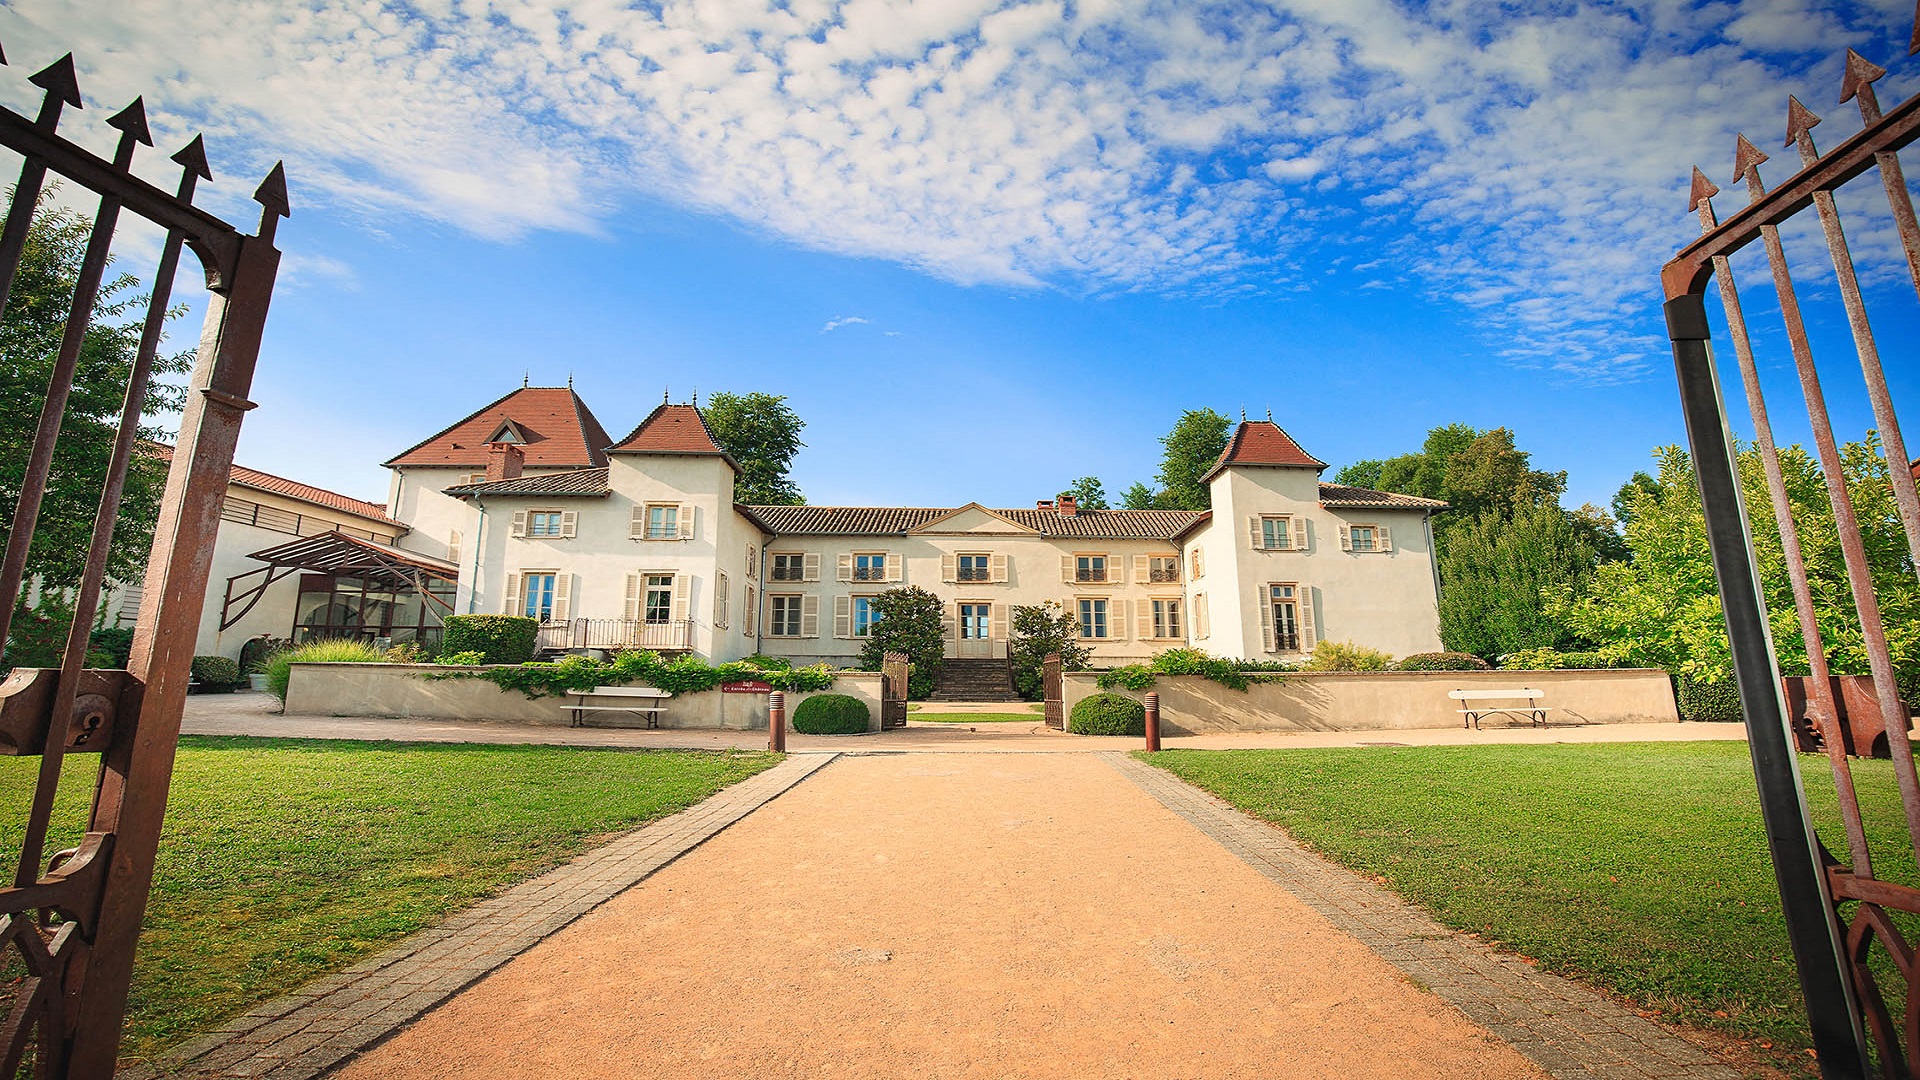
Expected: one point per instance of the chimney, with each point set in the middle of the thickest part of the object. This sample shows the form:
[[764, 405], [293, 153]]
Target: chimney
[[504, 461], [1043, 504], [1069, 506]]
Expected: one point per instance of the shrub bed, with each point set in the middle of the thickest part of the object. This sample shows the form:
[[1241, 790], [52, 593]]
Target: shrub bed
[[330, 651], [217, 674], [1443, 661], [685, 675], [831, 714], [502, 639], [1108, 714], [1708, 702]]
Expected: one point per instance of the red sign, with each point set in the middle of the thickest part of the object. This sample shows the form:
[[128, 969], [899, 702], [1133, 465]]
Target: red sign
[[751, 686]]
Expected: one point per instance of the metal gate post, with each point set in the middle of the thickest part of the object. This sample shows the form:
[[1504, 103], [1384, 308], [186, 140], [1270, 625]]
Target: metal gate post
[[1798, 859], [1153, 721], [777, 722]]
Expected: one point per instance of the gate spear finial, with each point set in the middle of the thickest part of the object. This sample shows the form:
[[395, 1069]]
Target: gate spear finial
[[132, 124], [1800, 123], [1699, 198], [1746, 165], [1858, 83], [272, 197], [62, 87]]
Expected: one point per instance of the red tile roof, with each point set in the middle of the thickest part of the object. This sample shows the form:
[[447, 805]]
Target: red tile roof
[[560, 430], [582, 483], [895, 520], [241, 476], [673, 429], [1261, 442]]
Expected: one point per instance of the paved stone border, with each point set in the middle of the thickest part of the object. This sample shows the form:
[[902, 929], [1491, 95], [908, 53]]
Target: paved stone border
[[323, 1024], [1570, 1031]]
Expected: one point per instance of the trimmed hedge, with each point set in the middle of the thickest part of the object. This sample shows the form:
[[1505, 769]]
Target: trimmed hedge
[[1709, 702], [1443, 661], [1555, 660], [831, 714], [216, 672], [1108, 714], [501, 639]]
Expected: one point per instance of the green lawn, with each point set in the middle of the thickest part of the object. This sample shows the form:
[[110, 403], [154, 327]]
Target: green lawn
[[285, 859], [1640, 868], [975, 717]]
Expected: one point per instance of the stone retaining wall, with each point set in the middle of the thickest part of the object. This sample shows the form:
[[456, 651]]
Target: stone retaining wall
[[1389, 700], [401, 691]]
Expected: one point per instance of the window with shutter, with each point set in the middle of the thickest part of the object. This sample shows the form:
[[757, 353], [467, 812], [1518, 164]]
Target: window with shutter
[[810, 566], [1300, 534], [1263, 601], [999, 622], [1142, 570], [519, 526], [1362, 538], [662, 521], [1309, 635], [864, 616], [453, 547], [562, 598], [1066, 569], [681, 585], [630, 606], [569, 523], [843, 616], [753, 552], [843, 568], [1256, 536], [1202, 621], [949, 568], [748, 616], [997, 568], [510, 603], [1383, 538], [1143, 615], [810, 615], [720, 599], [1117, 620], [1346, 538], [637, 524], [689, 520]]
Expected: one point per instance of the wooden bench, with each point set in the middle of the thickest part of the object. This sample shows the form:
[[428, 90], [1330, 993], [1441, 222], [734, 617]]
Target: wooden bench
[[642, 700], [1479, 703]]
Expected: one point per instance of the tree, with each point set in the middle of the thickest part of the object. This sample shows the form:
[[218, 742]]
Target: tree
[[1137, 497], [1624, 500], [762, 433], [29, 344], [909, 620], [1040, 629], [1495, 573], [1089, 493], [1469, 469], [1195, 443]]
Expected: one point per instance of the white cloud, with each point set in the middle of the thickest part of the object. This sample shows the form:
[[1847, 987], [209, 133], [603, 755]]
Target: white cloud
[[845, 320], [1529, 165]]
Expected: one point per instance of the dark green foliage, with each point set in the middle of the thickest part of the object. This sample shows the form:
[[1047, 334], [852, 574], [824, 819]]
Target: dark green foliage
[[762, 433], [279, 665], [1703, 701], [1108, 714], [1554, 660], [110, 646], [1494, 571], [1192, 447], [1040, 629], [216, 672], [1473, 471], [685, 675], [256, 651], [1138, 496], [831, 714], [1442, 661], [502, 639], [910, 621], [1230, 672], [39, 634], [29, 343], [1088, 493]]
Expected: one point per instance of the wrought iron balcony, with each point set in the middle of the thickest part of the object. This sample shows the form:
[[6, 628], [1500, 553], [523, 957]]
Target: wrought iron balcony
[[973, 573], [1096, 576], [1162, 575], [870, 573], [787, 573], [674, 635]]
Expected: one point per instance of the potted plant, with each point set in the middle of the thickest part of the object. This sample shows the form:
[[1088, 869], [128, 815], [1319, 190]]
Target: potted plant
[[254, 656]]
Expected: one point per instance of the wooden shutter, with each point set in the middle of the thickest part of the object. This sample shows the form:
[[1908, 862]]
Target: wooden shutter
[[569, 523], [510, 604], [949, 568], [1202, 622], [1346, 538], [637, 523], [630, 609], [519, 524], [845, 564], [562, 598], [843, 616], [681, 582], [1144, 618], [720, 600], [751, 553], [1382, 539], [689, 520], [810, 615], [896, 566], [1303, 597], [950, 621], [810, 566], [1066, 569], [1117, 619], [1300, 534], [997, 567], [748, 615], [1259, 535], [1199, 564], [1143, 569], [998, 615], [1264, 600], [453, 547]]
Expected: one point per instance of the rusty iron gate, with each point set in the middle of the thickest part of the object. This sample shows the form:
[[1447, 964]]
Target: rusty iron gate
[[894, 672], [1836, 910], [1053, 692], [72, 918]]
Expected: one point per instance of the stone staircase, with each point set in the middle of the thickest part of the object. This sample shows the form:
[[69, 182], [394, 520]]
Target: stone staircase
[[974, 680]]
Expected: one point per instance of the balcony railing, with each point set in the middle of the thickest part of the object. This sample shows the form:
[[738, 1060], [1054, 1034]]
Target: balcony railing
[[973, 573], [869, 573], [787, 573], [1287, 641], [1163, 574], [1084, 574], [673, 636]]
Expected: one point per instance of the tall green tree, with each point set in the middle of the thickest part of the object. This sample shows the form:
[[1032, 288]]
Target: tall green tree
[[1040, 629], [29, 344], [1469, 469], [908, 620], [762, 433], [1496, 572], [1089, 493], [1138, 496], [1191, 448]]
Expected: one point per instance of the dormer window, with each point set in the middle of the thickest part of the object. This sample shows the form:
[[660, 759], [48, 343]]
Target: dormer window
[[507, 432]]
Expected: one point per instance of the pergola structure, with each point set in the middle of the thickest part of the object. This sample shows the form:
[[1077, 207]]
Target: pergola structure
[[340, 554]]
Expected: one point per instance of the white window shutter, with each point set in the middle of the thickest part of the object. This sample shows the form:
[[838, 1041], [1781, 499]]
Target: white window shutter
[[519, 524], [630, 608], [997, 567], [843, 616], [810, 566], [1304, 604], [751, 553], [1143, 569], [562, 597], [1066, 569], [569, 523], [950, 621], [896, 564], [1300, 534], [1199, 564], [686, 514], [949, 569], [681, 582], [510, 604], [1201, 627], [1346, 538], [747, 615], [453, 547], [637, 523], [1259, 534], [1117, 619], [845, 572], [1264, 601], [1382, 539], [1144, 619], [998, 615], [810, 615]]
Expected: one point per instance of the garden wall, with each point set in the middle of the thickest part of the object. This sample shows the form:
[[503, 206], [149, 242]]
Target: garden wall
[[1390, 700], [401, 691]]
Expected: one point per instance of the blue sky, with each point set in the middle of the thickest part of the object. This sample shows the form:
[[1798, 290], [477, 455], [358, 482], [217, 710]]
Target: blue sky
[[987, 247]]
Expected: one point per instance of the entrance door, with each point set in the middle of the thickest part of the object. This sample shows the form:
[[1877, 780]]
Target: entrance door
[[976, 632]]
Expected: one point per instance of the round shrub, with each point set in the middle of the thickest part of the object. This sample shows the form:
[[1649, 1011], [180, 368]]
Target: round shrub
[[1443, 661], [216, 672], [831, 714], [1108, 714], [502, 639], [1709, 702]]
